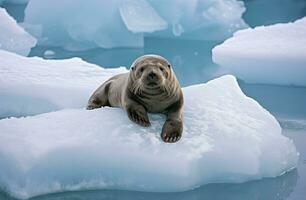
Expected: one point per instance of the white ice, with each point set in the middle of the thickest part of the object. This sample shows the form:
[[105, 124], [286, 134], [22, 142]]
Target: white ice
[[78, 25], [227, 137], [273, 54], [13, 37], [30, 86]]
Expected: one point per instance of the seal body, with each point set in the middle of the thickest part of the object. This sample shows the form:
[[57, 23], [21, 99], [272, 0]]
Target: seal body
[[150, 86]]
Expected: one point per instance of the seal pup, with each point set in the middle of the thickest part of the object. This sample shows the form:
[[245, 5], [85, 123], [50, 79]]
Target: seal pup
[[149, 86]]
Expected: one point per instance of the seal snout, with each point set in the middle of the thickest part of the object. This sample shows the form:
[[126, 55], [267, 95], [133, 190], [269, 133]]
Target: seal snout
[[152, 76]]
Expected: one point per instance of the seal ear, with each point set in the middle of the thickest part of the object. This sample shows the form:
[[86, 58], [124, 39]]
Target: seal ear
[[133, 68], [169, 66]]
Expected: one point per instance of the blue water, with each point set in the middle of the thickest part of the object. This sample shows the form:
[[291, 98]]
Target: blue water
[[192, 64]]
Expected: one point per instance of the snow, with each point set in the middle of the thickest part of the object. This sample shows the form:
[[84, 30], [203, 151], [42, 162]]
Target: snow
[[273, 54], [79, 25], [31, 86], [13, 37], [227, 137]]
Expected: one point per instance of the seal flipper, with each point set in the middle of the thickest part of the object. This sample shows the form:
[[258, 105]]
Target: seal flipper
[[139, 115]]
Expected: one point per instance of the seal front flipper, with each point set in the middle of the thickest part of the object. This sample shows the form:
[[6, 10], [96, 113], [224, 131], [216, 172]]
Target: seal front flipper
[[173, 127], [138, 114], [172, 130]]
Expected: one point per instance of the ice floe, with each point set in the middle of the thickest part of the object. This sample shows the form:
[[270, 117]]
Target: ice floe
[[273, 54], [30, 86], [228, 137]]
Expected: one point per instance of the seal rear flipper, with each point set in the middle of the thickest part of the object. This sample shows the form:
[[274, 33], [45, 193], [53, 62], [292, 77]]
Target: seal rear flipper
[[99, 98]]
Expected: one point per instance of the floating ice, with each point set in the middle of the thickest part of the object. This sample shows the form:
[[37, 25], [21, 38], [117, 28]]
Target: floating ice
[[49, 54], [273, 54], [227, 137], [13, 37], [79, 25], [30, 86]]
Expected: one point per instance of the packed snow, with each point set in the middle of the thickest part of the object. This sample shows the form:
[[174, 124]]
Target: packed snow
[[31, 86], [273, 54], [227, 137], [13, 37], [79, 25]]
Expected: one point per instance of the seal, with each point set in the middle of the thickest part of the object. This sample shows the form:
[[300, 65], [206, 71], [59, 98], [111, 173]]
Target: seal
[[150, 86]]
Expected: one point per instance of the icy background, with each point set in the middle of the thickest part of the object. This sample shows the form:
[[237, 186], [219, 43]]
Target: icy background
[[183, 32]]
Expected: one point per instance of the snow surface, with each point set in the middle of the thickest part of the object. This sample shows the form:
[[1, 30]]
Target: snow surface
[[13, 37], [31, 86], [79, 25], [273, 54], [227, 137]]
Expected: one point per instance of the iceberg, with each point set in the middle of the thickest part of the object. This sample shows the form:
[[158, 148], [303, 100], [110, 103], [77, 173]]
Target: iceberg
[[228, 137], [139, 16], [30, 86], [273, 54], [13, 37], [79, 25], [200, 19]]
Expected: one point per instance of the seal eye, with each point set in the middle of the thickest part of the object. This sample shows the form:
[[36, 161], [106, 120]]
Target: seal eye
[[161, 69], [141, 69]]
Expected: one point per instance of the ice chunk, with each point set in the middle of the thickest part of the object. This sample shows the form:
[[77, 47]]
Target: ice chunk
[[79, 25], [13, 37], [227, 137], [139, 16], [49, 54], [33, 85], [273, 54]]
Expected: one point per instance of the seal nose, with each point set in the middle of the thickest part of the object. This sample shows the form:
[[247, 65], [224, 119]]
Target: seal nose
[[152, 76]]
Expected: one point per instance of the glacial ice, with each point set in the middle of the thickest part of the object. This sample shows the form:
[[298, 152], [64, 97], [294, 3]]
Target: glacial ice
[[139, 16], [273, 54], [228, 137], [31, 86], [79, 25], [13, 37], [200, 19]]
